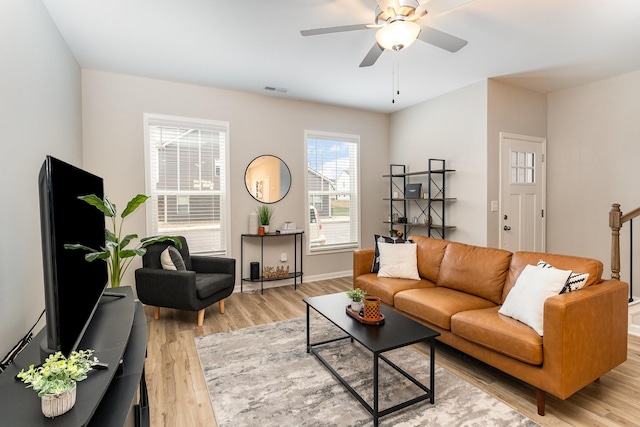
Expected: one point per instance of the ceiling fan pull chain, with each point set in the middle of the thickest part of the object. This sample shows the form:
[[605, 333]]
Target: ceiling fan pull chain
[[393, 79]]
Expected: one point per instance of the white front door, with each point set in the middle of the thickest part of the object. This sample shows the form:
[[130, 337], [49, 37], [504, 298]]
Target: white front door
[[522, 192]]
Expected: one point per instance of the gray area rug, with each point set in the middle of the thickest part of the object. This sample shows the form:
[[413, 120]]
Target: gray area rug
[[263, 376]]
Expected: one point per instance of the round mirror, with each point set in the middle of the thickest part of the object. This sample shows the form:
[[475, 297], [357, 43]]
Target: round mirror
[[267, 179]]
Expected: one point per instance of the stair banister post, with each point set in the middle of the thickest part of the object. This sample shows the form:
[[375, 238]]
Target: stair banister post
[[615, 222]]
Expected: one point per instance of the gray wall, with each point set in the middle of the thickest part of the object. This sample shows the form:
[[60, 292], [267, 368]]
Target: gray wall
[[40, 114]]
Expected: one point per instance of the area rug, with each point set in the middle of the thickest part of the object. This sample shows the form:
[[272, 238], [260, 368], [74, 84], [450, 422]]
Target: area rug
[[263, 376]]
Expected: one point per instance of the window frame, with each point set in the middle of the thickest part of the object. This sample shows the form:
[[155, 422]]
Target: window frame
[[150, 119], [338, 137]]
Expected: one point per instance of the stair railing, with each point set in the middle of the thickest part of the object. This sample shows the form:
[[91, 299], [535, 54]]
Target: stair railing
[[616, 220]]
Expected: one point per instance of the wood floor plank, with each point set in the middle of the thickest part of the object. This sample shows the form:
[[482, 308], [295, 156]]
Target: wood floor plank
[[178, 394]]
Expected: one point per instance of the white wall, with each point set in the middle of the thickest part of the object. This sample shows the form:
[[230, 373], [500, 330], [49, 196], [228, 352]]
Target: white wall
[[514, 110], [40, 114], [113, 107], [594, 150], [451, 127]]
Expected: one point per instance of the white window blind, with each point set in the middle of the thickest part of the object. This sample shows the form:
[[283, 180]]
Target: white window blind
[[187, 181], [332, 189]]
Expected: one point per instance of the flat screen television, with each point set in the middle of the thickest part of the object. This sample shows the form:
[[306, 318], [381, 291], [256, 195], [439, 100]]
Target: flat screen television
[[72, 286]]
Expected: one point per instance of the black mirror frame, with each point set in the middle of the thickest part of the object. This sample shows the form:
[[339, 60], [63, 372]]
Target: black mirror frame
[[282, 163]]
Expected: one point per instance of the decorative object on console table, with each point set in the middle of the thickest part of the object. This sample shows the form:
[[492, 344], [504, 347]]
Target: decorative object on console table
[[413, 191], [255, 270], [265, 213], [253, 222]]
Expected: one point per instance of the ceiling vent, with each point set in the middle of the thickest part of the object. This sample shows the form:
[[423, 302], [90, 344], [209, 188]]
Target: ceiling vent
[[276, 89]]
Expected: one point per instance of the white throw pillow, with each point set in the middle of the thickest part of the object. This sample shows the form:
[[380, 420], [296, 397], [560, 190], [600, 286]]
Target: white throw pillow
[[398, 261], [171, 259], [525, 301]]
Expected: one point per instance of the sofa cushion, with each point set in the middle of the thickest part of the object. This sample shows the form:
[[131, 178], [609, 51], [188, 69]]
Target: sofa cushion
[[398, 261], [503, 334], [526, 300], [520, 260], [475, 270], [437, 305], [385, 288], [208, 284], [430, 252]]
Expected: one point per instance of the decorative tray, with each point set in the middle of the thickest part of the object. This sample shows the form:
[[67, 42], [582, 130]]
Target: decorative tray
[[361, 319]]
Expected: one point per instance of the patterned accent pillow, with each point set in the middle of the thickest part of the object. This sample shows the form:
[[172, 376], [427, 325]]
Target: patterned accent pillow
[[574, 282], [171, 259], [375, 267]]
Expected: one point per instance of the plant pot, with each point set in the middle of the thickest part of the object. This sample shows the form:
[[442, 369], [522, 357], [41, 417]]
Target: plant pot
[[54, 405], [266, 228], [357, 306]]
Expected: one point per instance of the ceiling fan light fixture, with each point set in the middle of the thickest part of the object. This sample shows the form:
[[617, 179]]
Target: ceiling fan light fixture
[[397, 35]]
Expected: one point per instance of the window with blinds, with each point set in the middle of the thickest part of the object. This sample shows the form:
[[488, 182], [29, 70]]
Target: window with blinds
[[332, 191], [187, 181]]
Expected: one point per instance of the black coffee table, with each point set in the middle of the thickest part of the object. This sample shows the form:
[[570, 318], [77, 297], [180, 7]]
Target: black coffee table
[[397, 331]]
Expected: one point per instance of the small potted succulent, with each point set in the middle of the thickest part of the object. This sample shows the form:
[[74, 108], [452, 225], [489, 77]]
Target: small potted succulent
[[356, 296], [55, 380]]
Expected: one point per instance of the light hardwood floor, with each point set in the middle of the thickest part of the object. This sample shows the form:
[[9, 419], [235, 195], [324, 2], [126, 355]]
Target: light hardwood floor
[[178, 394]]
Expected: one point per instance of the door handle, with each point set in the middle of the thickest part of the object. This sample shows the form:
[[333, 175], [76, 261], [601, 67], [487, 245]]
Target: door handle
[[507, 228]]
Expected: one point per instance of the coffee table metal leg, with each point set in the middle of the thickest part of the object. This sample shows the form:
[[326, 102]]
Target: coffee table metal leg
[[375, 389], [308, 334], [433, 370]]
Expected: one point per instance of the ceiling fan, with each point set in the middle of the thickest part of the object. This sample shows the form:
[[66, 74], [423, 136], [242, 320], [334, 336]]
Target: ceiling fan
[[396, 22]]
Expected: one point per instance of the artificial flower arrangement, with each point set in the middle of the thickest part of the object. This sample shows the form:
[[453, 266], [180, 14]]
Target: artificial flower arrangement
[[59, 373]]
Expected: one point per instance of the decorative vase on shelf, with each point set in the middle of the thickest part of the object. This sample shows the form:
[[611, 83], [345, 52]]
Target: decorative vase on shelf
[[266, 228], [253, 223], [54, 405]]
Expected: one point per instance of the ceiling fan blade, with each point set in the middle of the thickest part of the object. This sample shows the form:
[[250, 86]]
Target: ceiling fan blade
[[372, 56], [441, 39], [435, 7], [339, 29]]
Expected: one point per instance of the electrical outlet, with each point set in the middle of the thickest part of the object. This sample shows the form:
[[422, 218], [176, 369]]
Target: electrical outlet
[[283, 257]]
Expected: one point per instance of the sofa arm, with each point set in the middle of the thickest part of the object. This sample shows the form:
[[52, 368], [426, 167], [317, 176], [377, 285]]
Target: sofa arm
[[210, 264], [585, 336], [167, 288], [362, 261]]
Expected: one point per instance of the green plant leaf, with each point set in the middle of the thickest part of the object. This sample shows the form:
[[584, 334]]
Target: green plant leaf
[[146, 241], [97, 255], [127, 239], [133, 204], [94, 200], [78, 246], [128, 253], [109, 236], [110, 208]]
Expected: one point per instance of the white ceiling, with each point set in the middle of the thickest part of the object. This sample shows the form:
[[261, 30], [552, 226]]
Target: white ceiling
[[544, 45]]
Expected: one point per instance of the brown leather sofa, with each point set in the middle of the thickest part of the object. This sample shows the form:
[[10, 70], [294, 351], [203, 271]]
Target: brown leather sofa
[[462, 288]]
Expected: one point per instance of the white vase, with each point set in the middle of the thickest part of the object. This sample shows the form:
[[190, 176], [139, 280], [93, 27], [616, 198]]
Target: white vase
[[54, 405], [357, 306], [253, 223], [266, 228]]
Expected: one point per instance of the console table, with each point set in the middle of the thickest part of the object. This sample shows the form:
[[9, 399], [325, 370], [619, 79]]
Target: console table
[[297, 252], [112, 397]]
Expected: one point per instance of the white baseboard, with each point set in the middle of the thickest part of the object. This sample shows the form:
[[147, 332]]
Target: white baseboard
[[255, 286], [634, 317]]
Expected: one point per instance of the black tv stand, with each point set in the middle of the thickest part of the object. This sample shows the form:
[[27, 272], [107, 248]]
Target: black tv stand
[[115, 396], [112, 294]]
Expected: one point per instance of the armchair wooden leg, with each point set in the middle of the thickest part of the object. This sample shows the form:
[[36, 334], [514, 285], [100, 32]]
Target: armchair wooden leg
[[201, 317], [541, 397], [156, 313], [221, 302]]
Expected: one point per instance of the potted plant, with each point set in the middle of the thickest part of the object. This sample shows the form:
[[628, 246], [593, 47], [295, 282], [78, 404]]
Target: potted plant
[[265, 212], [115, 253], [356, 296], [55, 380]]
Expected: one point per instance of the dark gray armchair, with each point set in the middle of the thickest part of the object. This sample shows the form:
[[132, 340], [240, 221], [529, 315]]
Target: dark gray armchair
[[206, 280]]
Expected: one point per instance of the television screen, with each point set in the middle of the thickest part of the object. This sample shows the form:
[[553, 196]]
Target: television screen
[[73, 286]]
